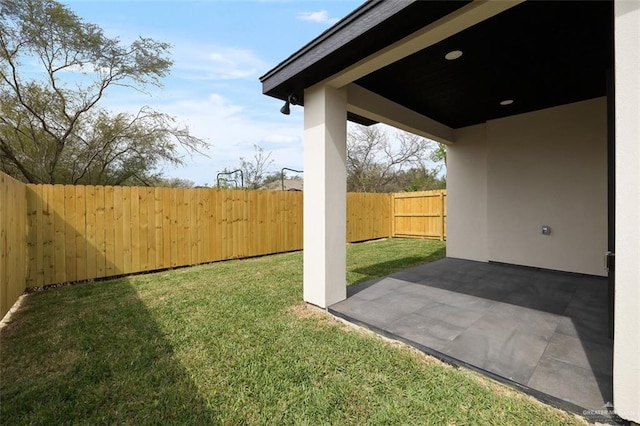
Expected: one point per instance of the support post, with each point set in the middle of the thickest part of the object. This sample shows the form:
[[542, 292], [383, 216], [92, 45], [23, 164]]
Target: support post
[[626, 362], [325, 195]]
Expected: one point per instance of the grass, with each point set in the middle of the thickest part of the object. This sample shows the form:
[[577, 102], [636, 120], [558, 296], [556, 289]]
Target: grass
[[231, 343]]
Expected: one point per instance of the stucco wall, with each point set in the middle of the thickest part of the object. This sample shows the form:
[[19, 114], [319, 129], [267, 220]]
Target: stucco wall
[[467, 195], [547, 167], [626, 362]]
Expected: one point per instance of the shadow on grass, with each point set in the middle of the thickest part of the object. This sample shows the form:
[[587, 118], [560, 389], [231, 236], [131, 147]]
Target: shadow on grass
[[93, 354], [382, 269]]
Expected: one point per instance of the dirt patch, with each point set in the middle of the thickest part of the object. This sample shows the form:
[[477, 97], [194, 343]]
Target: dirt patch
[[306, 311], [319, 315]]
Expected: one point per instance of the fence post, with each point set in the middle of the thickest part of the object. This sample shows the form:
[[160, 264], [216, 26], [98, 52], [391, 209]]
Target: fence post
[[392, 215], [441, 215]]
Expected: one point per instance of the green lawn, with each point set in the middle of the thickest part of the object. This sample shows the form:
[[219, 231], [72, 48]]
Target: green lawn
[[231, 343]]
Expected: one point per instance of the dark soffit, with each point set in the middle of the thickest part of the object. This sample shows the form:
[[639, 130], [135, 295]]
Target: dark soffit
[[371, 27], [539, 53]]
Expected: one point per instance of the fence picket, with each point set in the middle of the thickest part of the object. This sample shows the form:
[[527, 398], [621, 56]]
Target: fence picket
[[101, 235], [32, 237], [59, 236], [127, 249], [38, 193], [69, 219], [143, 228], [191, 197], [48, 237], [135, 229], [109, 232], [81, 233], [173, 226], [155, 228], [166, 227], [118, 231]]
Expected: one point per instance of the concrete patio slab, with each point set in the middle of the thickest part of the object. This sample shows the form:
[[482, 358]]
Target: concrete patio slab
[[540, 330]]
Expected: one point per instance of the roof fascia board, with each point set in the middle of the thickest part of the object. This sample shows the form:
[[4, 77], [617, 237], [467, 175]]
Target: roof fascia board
[[370, 105], [367, 16], [461, 19]]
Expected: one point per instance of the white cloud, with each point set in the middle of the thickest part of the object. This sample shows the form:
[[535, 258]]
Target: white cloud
[[320, 17], [232, 131], [216, 63], [230, 125], [213, 90]]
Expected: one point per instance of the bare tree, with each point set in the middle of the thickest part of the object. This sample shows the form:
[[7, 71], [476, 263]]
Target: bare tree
[[374, 162], [255, 171]]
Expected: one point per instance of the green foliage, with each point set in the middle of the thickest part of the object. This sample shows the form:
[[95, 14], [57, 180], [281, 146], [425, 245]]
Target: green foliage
[[274, 177], [439, 154], [171, 182], [54, 71], [421, 179]]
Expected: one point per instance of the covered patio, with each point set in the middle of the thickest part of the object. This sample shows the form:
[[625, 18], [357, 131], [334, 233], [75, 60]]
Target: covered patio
[[541, 331], [537, 103]]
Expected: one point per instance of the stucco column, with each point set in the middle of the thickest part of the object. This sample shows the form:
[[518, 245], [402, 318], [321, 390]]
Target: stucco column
[[626, 360], [325, 199]]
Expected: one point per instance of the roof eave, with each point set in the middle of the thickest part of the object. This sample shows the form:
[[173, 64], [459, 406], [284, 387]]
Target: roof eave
[[354, 25], [328, 33]]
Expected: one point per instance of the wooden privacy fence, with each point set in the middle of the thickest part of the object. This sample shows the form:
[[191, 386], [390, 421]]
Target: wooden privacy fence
[[77, 233], [368, 216], [53, 234], [13, 245], [420, 214], [85, 232]]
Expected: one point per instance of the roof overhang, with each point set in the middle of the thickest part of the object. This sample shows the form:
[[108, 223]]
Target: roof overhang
[[537, 53], [366, 30]]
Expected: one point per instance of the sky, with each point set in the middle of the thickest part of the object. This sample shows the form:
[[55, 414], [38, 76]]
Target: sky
[[219, 50]]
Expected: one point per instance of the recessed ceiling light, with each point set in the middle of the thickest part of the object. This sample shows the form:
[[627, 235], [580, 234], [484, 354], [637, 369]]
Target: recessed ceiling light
[[506, 102], [454, 54]]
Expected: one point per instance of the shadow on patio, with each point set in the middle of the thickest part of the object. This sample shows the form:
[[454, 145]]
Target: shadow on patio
[[542, 331]]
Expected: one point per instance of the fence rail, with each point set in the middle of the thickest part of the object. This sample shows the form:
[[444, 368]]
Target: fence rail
[[53, 234]]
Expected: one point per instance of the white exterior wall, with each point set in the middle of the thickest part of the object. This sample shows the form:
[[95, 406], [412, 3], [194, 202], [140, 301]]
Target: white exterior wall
[[467, 195], [626, 356], [549, 167], [510, 176]]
